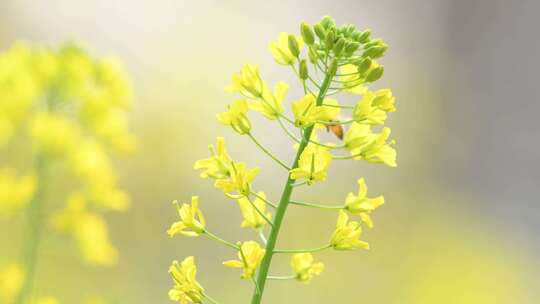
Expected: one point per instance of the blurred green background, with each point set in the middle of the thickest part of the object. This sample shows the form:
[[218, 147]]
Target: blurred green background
[[461, 221]]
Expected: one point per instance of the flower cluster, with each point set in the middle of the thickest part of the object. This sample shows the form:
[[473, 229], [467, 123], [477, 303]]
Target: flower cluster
[[62, 114], [328, 60]]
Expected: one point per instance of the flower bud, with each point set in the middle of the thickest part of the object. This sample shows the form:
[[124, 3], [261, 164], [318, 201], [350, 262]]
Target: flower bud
[[375, 74], [364, 36], [332, 69], [320, 31], [293, 46], [329, 40], [328, 22], [375, 51], [312, 54], [351, 48], [303, 70], [242, 125], [364, 65], [338, 47], [307, 33]]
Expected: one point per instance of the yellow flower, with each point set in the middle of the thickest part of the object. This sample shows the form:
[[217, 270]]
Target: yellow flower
[[250, 256], [11, 281], [280, 49], [373, 107], [252, 218], [302, 264], [218, 165], [186, 288], [362, 205], [271, 104], [346, 235], [306, 112], [53, 134], [88, 229], [236, 117], [46, 300], [364, 144], [239, 181], [353, 82], [313, 164], [248, 82], [15, 192], [191, 218]]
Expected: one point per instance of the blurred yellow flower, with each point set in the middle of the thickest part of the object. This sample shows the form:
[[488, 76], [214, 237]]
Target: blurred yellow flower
[[271, 103], [186, 288], [88, 229], [306, 112], [53, 134], [248, 82], [250, 255], [362, 205], [11, 281], [364, 144], [281, 51], [15, 192], [46, 300], [304, 268], [373, 107], [236, 117], [313, 164], [218, 165], [346, 235], [191, 218], [252, 218]]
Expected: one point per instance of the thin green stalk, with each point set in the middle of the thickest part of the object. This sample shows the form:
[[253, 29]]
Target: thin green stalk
[[259, 212], [303, 250], [218, 239], [33, 237], [290, 277], [282, 207], [268, 152], [315, 205]]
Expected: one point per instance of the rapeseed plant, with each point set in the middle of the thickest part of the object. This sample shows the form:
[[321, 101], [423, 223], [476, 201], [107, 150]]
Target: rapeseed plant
[[328, 60], [62, 113]]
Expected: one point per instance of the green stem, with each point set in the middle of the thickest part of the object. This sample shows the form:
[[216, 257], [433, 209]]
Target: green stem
[[302, 250], [268, 152], [282, 207], [290, 277], [315, 205], [218, 239], [33, 237], [210, 299]]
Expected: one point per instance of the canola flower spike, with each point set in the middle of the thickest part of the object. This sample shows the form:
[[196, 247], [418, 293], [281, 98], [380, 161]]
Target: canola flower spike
[[192, 222], [304, 267], [250, 255], [186, 289], [361, 205], [281, 50], [343, 60], [236, 117], [254, 211], [346, 235]]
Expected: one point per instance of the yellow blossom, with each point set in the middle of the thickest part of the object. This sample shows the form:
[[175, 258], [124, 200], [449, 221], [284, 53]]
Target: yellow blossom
[[11, 281], [53, 134], [46, 300], [313, 164], [236, 117], [252, 218], [191, 218], [306, 112], [362, 205], [186, 288], [280, 49], [271, 104], [250, 255], [346, 235], [88, 229], [373, 107], [364, 144], [248, 82], [353, 82], [304, 268], [15, 192], [239, 181], [218, 165]]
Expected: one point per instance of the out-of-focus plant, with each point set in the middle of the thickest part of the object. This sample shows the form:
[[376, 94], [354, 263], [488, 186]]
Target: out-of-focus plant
[[328, 60], [62, 112]]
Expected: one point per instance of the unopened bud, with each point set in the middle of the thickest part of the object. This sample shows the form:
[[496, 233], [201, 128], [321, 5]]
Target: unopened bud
[[303, 70], [307, 33], [327, 22], [338, 47], [351, 48], [312, 54], [375, 74], [364, 36], [332, 69], [364, 65], [329, 40], [320, 31], [293, 46], [375, 51]]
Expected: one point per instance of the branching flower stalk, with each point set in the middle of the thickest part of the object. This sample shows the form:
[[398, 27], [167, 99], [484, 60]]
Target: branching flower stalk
[[328, 59]]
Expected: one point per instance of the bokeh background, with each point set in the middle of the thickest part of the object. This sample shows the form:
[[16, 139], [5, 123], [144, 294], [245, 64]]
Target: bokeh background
[[461, 221]]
